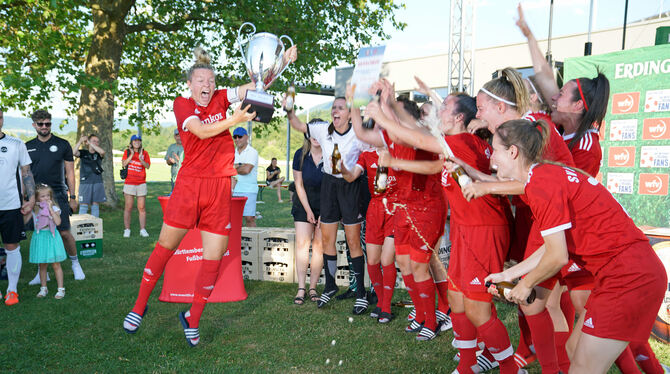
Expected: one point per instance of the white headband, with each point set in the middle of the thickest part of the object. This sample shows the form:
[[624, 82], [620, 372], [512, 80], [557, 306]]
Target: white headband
[[539, 97], [496, 97]]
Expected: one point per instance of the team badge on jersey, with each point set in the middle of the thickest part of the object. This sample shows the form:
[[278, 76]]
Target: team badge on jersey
[[3, 149], [53, 148]]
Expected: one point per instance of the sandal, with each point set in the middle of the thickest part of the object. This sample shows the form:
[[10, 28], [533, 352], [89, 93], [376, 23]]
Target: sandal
[[313, 297], [299, 300]]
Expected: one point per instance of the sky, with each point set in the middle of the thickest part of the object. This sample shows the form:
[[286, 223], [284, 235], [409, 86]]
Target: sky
[[427, 30]]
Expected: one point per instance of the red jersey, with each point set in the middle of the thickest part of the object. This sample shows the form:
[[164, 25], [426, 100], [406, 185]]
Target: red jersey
[[137, 173], [556, 150], [368, 162], [411, 185], [486, 210], [205, 158], [596, 226], [587, 153]]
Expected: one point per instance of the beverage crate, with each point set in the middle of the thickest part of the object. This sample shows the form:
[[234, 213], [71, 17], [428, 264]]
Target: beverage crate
[[249, 245], [277, 245], [342, 276], [341, 248], [87, 232], [277, 271], [251, 269]]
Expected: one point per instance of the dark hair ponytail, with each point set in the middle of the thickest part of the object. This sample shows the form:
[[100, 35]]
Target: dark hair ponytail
[[596, 93]]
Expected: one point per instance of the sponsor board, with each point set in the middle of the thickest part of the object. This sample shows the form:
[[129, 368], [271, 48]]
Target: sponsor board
[[655, 157], [621, 157], [656, 129], [653, 184], [621, 183], [625, 103], [661, 245], [657, 101], [623, 129]]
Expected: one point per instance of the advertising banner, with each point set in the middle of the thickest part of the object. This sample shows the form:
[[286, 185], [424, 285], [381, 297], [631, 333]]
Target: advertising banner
[[635, 135], [366, 72]]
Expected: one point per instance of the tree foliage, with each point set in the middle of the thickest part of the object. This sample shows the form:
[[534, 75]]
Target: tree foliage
[[103, 56]]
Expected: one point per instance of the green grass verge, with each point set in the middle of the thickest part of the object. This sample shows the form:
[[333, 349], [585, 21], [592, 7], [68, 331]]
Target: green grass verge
[[265, 333]]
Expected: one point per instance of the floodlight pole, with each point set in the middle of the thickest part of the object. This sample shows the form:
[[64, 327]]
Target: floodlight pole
[[625, 20], [588, 46], [551, 21]]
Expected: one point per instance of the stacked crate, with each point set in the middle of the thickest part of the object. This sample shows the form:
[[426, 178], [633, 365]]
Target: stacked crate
[[87, 232], [249, 248], [277, 247]]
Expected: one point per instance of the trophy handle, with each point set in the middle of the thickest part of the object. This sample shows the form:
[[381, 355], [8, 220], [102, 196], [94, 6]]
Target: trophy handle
[[283, 50], [240, 42]]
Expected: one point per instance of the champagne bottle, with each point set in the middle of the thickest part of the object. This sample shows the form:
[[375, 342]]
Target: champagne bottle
[[461, 177], [335, 158], [369, 123], [381, 177], [504, 289], [290, 98]]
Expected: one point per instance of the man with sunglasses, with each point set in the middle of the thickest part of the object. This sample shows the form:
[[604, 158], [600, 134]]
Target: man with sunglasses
[[17, 197], [53, 165], [246, 164]]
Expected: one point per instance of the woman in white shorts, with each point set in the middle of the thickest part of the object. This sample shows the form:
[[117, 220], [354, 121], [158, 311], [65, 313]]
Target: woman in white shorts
[[137, 161]]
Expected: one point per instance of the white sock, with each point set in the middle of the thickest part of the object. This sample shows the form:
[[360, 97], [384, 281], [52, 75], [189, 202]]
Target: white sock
[[74, 258], [13, 268]]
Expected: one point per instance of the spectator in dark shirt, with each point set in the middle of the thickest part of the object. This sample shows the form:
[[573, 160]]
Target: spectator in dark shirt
[[91, 186], [272, 179]]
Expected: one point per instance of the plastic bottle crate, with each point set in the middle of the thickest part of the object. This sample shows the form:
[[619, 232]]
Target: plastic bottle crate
[[249, 245], [320, 282], [277, 246], [85, 227], [277, 271], [251, 269], [399, 282], [341, 248]]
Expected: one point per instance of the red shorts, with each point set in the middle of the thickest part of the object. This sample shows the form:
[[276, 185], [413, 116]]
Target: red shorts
[[202, 203], [575, 277], [401, 228], [378, 223], [523, 219], [476, 252], [535, 241], [425, 229], [627, 295]]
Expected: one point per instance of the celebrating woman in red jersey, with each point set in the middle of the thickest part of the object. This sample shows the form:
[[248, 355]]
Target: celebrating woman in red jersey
[[198, 201], [580, 220], [479, 232]]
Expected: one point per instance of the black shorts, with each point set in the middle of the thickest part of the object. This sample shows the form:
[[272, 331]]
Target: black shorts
[[314, 198], [12, 230], [340, 201]]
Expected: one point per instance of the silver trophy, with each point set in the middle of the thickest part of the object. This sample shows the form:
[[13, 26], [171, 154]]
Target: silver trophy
[[263, 55]]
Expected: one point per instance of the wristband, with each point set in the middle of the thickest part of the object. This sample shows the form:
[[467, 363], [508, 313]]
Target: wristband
[[73, 196]]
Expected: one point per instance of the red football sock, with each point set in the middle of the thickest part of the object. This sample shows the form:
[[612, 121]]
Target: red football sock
[[426, 291], [465, 340], [152, 273], [560, 338], [410, 285], [376, 279], [542, 331], [523, 350], [645, 357], [495, 337], [388, 284], [442, 301], [204, 284], [626, 363], [568, 310]]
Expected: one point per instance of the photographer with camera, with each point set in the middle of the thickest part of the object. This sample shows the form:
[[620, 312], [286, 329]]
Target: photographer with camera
[[136, 161], [91, 186]]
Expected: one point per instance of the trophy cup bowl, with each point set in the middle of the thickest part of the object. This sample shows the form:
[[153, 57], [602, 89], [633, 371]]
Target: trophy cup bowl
[[263, 56]]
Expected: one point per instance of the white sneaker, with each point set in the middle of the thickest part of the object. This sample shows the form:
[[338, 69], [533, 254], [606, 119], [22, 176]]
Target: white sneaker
[[35, 281], [43, 292], [60, 294], [126, 233], [78, 272], [143, 233]]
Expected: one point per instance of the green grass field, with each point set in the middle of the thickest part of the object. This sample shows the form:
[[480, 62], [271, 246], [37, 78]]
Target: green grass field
[[265, 333]]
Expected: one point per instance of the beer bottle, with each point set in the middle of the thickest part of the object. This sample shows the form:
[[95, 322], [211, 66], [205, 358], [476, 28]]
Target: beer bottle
[[369, 123], [290, 98], [504, 289], [381, 177], [335, 158], [461, 177]]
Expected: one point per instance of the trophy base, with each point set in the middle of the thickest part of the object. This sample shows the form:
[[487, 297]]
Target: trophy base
[[261, 103]]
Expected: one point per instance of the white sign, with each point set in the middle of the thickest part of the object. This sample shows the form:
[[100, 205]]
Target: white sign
[[655, 157], [620, 183], [623, 129], [366, 72], [657, 101]]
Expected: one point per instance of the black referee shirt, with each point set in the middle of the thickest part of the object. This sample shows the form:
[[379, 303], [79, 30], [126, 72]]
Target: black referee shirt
[[49, 158]]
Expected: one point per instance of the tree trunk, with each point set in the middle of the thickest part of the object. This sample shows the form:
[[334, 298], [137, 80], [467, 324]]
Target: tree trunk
[[96, 105]]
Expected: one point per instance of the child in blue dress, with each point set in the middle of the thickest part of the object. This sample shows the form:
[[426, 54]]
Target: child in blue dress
[[46, 245]]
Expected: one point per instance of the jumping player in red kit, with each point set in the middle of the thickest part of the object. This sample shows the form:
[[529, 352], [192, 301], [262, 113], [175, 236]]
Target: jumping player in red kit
[[197, 200]]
